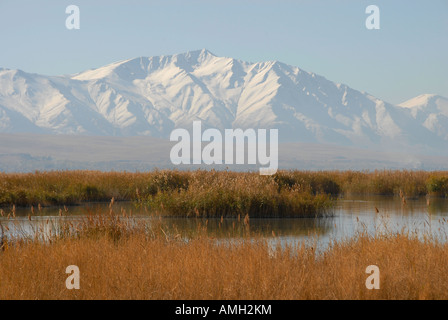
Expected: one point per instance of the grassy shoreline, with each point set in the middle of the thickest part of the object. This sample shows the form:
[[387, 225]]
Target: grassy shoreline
[[217, 193]]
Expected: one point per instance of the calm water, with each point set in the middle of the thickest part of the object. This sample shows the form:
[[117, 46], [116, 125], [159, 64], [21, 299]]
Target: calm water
[[351, 215]]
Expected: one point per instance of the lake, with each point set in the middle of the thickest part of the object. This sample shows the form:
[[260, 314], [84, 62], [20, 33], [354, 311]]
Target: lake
[[352, 214]]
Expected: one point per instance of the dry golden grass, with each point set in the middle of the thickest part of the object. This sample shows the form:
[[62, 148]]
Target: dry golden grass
[[73, 187], [69, 187], [122, 258], [139, 262]]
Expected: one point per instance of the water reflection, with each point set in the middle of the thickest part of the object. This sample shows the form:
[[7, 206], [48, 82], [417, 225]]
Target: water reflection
[[367, 205], [352, 214], [262, 227]]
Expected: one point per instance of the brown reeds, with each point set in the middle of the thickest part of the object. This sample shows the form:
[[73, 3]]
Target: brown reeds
[[229, 194], [152, 263], [210, 193]]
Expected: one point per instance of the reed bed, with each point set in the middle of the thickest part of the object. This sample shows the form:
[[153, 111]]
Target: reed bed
[[127, 259], [68, 187], [229, 194], [212, 193]]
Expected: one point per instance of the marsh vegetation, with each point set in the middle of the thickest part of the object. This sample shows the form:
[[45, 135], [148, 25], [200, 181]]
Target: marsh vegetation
[[217, 193], [123, 258]]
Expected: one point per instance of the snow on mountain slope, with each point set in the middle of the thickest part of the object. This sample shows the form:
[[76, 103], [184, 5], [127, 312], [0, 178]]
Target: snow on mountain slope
[[430, 111], [153, 95]]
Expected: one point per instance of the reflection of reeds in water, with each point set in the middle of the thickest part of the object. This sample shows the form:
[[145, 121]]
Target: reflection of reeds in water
[[2, 238], [403, 198]]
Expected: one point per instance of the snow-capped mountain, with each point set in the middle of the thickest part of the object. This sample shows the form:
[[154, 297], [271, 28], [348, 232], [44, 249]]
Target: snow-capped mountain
[[430, 111], [152, 96]]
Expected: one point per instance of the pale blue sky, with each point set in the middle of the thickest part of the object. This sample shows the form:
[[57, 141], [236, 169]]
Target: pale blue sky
[[405, 58]]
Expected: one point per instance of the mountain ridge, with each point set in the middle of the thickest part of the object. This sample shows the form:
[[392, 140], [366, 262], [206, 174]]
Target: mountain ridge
[[151, 96]]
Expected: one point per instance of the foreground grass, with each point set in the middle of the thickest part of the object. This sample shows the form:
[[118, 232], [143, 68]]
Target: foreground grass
[[124, 259]]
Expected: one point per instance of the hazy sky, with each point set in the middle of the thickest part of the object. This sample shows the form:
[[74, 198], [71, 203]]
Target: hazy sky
[[406, 57]]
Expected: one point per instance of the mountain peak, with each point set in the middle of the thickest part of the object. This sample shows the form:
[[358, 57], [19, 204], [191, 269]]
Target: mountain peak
[[203, 52], [421, 100], [134, 66], [152, 95], [198, 56]]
